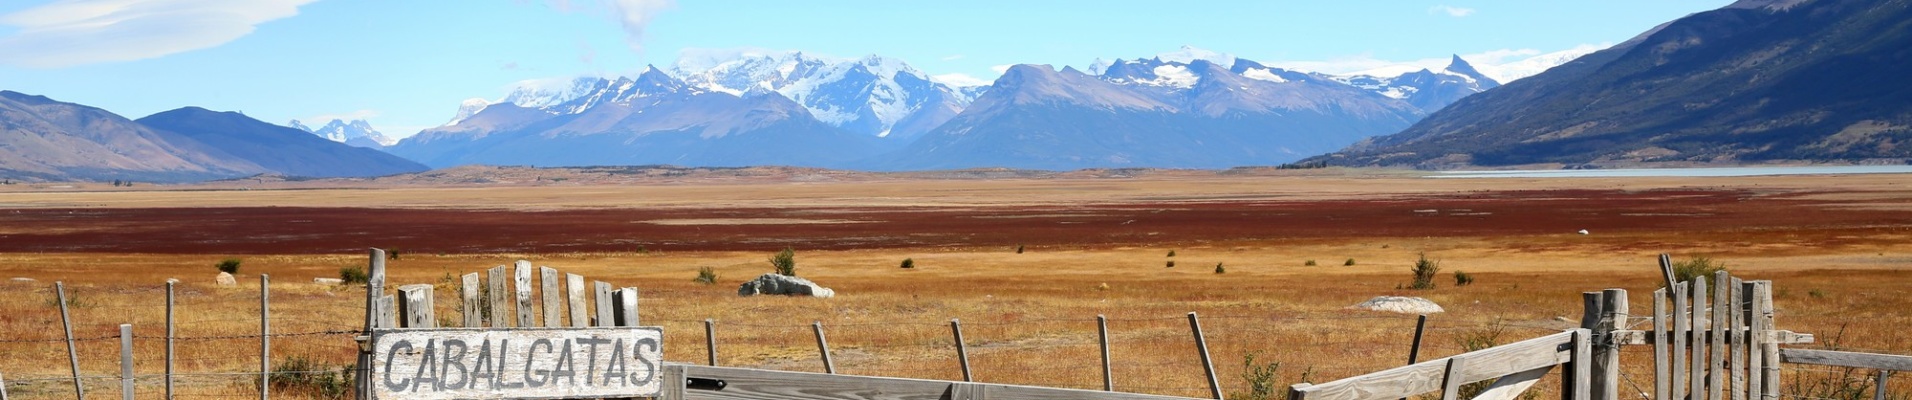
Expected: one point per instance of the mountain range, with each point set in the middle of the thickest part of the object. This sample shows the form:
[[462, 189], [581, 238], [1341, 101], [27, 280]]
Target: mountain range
[[357, 133], [1756, 81], [44, 139]]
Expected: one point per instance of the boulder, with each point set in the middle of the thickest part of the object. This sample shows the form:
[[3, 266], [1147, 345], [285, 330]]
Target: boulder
[[226, 279], [1400, 304], [773, 283]]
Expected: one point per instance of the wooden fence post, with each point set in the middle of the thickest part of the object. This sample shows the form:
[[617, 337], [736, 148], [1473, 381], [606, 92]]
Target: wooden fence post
[[625, 307], [1736, 335], [1208, 365], [574, 295], [265, 337], [72, 354], [962, 353], [823, 347], [553, 297], [1108, 372], [710, 339], [415, 307], [1580, 387], [1878, 386], [1763, 302], [521, 279], [603, 296], [471, 306], [498, 288], [126, 361], [1716, 373], [170, 333], [374, 289], [3, 387], [1696, 373], [1451, 380], [1682, 334], [1606, 361], [1662, 387], [1755, 343]]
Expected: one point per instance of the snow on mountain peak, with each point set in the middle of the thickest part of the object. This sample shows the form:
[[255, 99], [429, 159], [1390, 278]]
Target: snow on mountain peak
[[1188, 54], [869, 95], [466, 109]]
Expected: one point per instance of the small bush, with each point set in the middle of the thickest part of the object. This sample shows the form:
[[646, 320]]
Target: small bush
[[392, 254], [353, 275], [230, 266], [1263, 382], [706, 275], [1816, 293], [302, 377], [1477, 339], [1424, 271], [1310, 263], [1171, 264], [1685, 271], [1171, 253], [1348, 263], [1019, 249], [1462, 279], [909, 263], [1219, 269], [785, 262]]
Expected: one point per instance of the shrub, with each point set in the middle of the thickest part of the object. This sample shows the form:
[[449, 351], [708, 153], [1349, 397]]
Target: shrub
[[785, 262], [1424, 271], [909, 263], [1019, 249], [1462, 279], [706, 275], [1477, 339], [1171, 253], [1219, 269], [1262, 380], [302, 377], [1171, 264], [392, 254], [230, 266], [1348, 263], [1685, 271], [1310, 263], [354, 275]]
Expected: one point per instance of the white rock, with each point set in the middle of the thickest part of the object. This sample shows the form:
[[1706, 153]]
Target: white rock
[[24, 280], [773, 283], [226, 279], [1583, 231], [328, 281], [1400, 304]]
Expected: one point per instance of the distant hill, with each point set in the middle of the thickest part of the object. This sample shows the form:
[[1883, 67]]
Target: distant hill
[[1756, 81], [44, 139], [278, 149]]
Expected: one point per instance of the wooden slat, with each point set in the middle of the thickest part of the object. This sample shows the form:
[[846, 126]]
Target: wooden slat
[[1763, 307], [1681, 335], [967, 391], [384, 312], [1451, 380], [1428, 375], [499, 291], [415, 306], [471, 305], [553, 296], [1737, 335], [626, 306], [574, 296], [1510, 387], [1755, 342], [1582, 365], [1696, 367], [602, 292], [1716, 374], [1642, 337], [754, 384], [521, 281], [673, 383], [1846, 359], [1606, 354], [1662, 387]]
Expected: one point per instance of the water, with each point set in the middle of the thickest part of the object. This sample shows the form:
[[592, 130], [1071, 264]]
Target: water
[[1681, 172]]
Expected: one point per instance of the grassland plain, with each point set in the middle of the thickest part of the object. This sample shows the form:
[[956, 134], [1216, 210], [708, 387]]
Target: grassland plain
[[1835, 245]]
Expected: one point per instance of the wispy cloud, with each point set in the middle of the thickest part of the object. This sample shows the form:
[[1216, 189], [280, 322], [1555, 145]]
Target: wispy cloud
[[78, 32], [959, 80], [1451, 11], [1001, 68], [635, 15]]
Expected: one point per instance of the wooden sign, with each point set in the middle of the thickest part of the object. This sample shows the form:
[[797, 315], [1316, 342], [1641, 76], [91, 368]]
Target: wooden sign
[[520, 363]]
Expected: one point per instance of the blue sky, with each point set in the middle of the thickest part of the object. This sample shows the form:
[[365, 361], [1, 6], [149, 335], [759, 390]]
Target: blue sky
[[405, 65]]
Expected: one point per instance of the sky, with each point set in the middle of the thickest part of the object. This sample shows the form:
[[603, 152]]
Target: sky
[[405, 65]]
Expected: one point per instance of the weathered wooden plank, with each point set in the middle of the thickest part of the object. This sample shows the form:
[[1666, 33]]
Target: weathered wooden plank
[[1643, 337], [574, 295], [1846, 359], [517, 363], [521, 282], [1510, 387], [415, 306], [1450, 378], [500, 294], [625, 307], [1682, 334], [1696, 367], [1763, 303], [602, 292], [1662, 387], [1755, 356], [1428, 375], [553, 296], [1582, 365], [1736, 335], [967, 391], [385, 312], [674, 383], [374, 287], [755, 384], [471, 304], [1606, 354], [1716, 367]]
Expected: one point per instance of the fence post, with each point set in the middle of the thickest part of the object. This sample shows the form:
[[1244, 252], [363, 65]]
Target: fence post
[[1662, 385], [521, 280], [602, 293], [1607, 364], [1722, 290], [574, 294], [374, 287], [3, 386], [1451, 378], [170, 333], [1696, 372], [962, 353], [823, 347], [1878, 387], [626, 307], [1682, 334], [553, 297], [415, 306], [1414, 350], [1590, 321], [1763, 303], [1208, 366], [1108, 373], [265, 337], [126, 361], [710, 339], [499, 293], [470, 304], [72, 355]]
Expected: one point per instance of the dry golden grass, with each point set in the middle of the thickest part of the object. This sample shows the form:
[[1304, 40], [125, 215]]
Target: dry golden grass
[[1028, 318]]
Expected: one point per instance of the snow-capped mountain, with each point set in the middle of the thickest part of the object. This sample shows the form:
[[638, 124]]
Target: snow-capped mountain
[[357, 133], [873, 95], [1425, 89]]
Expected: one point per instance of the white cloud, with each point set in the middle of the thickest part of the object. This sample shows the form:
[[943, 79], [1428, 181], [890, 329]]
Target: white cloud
[[635, 15], [77, 32], [1451, 11], [959, 80], [1000, 69], [347, 116]]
